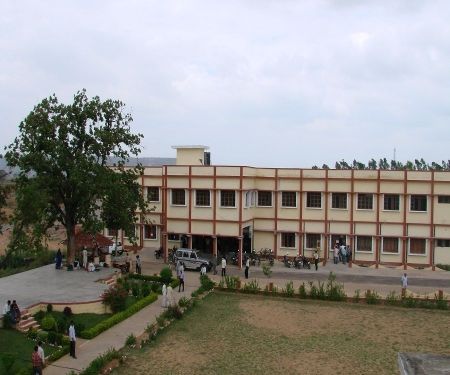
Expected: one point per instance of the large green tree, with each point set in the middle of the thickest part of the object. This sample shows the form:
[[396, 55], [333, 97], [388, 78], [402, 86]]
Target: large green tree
[[62, 152]]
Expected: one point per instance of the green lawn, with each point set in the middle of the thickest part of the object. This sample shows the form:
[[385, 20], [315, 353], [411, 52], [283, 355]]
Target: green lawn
[[16, 344], [86, 320], [247, 334]]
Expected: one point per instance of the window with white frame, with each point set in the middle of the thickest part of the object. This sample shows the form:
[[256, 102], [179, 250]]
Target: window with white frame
[[250, 198], [364, 244], [153, 193], [391, 202], [264, 198], [202, 198], [150, 232], [288, 240], [339, 200], [178, 197], [418, 203], [417, 246], [227, 198], [288, 199], [390, 245], [365, 201], [314, 199], [312, 240], [253, 198], [339, 239]]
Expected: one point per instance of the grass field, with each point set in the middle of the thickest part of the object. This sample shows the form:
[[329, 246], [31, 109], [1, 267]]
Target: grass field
[[243, 334]]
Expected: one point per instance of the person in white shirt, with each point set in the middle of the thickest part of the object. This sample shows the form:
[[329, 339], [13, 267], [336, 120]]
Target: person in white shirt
[[316, 259], [7, 307], [164, 296], [41, 352], [73, 339], [203, 270], [224, 267], [247, 266], [91, 267], [404, 281], [85, 258]]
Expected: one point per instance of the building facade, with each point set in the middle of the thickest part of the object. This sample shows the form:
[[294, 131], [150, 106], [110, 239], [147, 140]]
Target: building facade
[[396, 218]]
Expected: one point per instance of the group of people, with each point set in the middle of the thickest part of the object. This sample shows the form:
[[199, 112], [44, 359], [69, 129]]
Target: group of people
[[11, 312], [342, 253]]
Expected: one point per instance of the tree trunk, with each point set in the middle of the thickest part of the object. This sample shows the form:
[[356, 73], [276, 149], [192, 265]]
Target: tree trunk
[[70, 229]]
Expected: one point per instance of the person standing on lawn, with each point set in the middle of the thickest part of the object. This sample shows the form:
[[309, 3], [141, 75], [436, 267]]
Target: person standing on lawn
[[73, 339], [138, 265], [41, 353], [247, 266], [404, 281], [36, 361], [224, 266]]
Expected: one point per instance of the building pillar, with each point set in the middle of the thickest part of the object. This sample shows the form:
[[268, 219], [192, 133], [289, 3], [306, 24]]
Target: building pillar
[[189, 237], [214, 239], [165, 246], [240, 252]]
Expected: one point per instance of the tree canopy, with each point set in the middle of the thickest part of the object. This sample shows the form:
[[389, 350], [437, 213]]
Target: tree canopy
[[62, 153]]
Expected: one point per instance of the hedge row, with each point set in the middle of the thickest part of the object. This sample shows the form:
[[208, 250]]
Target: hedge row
[[153, 278], [117, 318]]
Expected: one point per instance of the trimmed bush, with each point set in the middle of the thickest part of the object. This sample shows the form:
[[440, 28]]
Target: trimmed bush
[[131, 340], [67, 312], [49, 308], [48, 323], [206, 282], [166, 275], [116, 298], [118, 317]]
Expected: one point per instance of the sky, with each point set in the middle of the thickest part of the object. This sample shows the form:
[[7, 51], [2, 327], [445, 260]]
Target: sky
[[268, 83]]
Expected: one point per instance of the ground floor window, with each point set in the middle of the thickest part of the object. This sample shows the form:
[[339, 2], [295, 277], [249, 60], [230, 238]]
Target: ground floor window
[[312, 240], [287, 239], [173, 237], [443, 243], [364, 243], [417, 246], [390, 245], [339, 239], [150, 232]]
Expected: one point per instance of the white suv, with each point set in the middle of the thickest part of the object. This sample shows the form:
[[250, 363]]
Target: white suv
[[191, 260]]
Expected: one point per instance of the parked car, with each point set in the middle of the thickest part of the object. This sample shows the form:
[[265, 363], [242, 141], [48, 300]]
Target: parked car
[[116, 248], [191, 260]]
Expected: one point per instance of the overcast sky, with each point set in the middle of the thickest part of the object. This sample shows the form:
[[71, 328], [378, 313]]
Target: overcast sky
[[263, 83]]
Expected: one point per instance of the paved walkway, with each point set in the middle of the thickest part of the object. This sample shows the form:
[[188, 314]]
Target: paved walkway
[[47, 284], [88, 350]]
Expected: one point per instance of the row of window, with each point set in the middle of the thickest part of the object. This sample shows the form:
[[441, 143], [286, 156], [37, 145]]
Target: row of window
[[389, 245], [260, 198]]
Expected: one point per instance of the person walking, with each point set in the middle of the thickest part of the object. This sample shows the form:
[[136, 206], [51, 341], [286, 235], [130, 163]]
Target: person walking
[[85, 258], [36, 361], [247, 266], [73, 339], [344, 254], [170, 297], [138, 265], [41, 353], [58, 259], [404, 281], [316, 259], [181, 280], [224, 267], [164, 296], [336, 254]]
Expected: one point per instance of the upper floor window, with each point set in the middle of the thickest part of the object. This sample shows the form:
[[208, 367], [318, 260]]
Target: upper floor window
[[202, 198], [178, 197], [365, 201], [443, 198], [391, 202], [288, 199], [339, 200], [264, 198], [250, 198], [418, 203], [227, 198], [443, 243], [313, 199], [153, 194], [313, 240], [287, 239]]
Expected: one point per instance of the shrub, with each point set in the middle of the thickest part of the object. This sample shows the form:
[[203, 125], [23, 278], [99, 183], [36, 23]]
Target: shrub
[[206, 282], [252, 287], [441, 303], [161, 320], [302, 291], [59, 339], [231, 282], [131, 340], [39, 315], [51, 337], [445, 267], [115, 297], [334, 291], [48, 323], [118, 317], [67, 312], [357, 296], [135, 290], [173, 312], [49, 308], [145, 289], [184, 302], [313, 291], [42, 336], [372, 297], [267, 269], [321, 294], [166, 275], [392, 299], [62, 324], [289, 290], [32, 334], [97, 364]]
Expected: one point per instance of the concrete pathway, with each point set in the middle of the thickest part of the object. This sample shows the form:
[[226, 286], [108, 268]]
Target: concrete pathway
[[88, 350]]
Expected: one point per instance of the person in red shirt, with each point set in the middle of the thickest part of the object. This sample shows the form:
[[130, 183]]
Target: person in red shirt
[[36, 361]]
